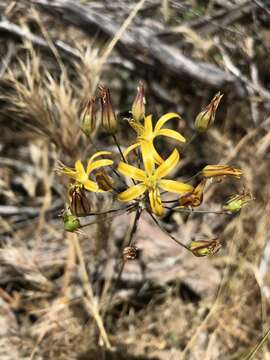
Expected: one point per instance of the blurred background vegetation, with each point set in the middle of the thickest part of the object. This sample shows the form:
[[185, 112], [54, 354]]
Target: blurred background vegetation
[[169, 304]]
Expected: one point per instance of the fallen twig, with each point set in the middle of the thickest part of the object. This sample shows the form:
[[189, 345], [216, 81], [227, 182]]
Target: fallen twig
[[142, 45]]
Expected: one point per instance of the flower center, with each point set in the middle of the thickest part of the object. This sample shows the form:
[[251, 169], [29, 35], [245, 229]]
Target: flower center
[[151, 182]]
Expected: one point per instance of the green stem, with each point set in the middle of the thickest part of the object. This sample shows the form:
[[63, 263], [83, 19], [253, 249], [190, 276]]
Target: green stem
[[167, 233], [191, 211], [193, 137], [121, 153], [109, 211], [192, 177], [131, 235], [128, 208], [113, 170], [118, 147]]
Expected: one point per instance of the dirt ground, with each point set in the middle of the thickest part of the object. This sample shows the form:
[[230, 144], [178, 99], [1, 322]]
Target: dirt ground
[[61, 296]]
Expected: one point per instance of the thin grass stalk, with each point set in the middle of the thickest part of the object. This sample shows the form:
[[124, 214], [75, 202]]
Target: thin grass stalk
[[91, 303]]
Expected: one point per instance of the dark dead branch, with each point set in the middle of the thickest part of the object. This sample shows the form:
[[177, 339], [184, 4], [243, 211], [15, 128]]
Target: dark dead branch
[[221, 19], [18, 32], [142, 45]]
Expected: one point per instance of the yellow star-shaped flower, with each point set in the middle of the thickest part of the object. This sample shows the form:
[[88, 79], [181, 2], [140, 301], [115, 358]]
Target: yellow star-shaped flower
[[82, 176], [146, 134], [151, 180]]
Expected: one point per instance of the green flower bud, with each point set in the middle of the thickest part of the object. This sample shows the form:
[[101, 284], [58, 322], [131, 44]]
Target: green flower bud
[[202, 248], [71, 222], [88, 117], [138, 106], [207, 116]]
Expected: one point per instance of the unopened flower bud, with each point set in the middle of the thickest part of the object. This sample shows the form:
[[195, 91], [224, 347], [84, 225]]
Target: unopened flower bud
[[202, 248], [211, 171], [236, 202], [88, 117], [138, 106], [194, 198], [79, 203], [103, 180], [207, 116], [108, 117], [71, 222], [130, 253]]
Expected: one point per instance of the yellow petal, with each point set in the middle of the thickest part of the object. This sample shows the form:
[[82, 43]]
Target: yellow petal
[[131, 171], [167, 165], [132, 193], [158, 159], [175, 186], [148, 127], [96, 164], [99, 153], [155, 202], [164, 119], [80, 172], [129, 149], [172, 134], [91, 186], [147, 156]]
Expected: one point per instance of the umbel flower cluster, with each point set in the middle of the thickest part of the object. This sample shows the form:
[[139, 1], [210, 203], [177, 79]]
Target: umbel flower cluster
[[147, 173]]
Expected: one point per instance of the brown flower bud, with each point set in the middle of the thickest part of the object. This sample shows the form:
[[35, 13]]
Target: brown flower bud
[[207, 116], [236, 202], [79, 203], [108, 117], [88, 117], [211, 171], [202, 248], [130, 253], [138, 106], [194, 198], [103, 180]]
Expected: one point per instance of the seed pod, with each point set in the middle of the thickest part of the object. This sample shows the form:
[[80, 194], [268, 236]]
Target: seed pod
[[211, 171], [88, 117], [79, 203], [138, 106], [207, 116], [108, 117], [103, 180], [71, 223], [130, 253], [202, 248], [237, 202]]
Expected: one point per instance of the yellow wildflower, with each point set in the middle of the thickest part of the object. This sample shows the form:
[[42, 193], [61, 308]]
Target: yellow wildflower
[[152, 180], [82, 176], [146, 134]]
